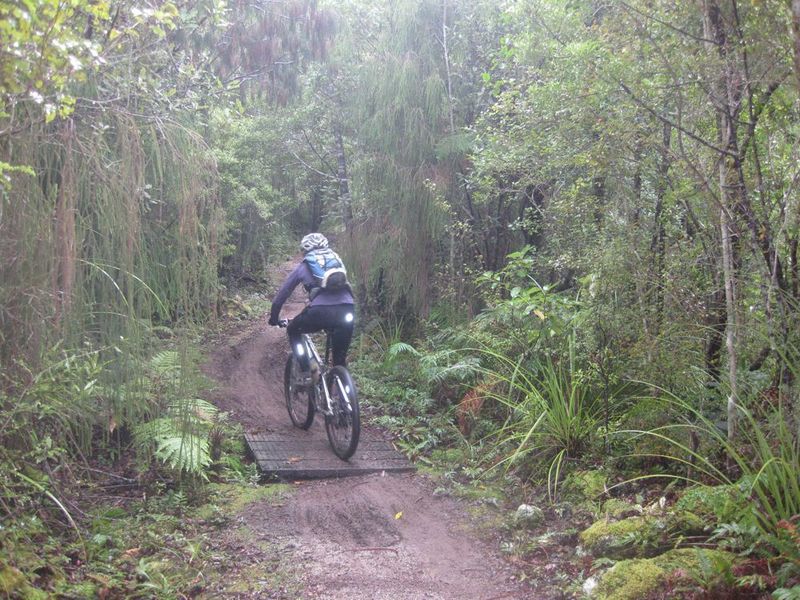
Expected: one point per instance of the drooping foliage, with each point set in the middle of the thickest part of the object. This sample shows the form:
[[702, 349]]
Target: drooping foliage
[[112, 222]]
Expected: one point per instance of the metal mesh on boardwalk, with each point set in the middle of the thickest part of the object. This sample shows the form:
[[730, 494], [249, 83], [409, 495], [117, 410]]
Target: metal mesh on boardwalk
[[306, 455]]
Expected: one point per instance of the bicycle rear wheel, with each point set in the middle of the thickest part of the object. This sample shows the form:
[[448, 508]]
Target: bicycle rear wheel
[[343, 425], [299, 400]]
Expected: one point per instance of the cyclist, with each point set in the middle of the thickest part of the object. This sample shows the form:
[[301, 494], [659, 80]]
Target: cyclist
[[330, 308]]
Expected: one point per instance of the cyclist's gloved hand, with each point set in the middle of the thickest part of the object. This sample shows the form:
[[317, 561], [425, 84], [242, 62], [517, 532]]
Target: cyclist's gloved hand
[[273, 321]]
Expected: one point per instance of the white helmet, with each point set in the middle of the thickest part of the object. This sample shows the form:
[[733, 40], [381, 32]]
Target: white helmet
[[313, 241]]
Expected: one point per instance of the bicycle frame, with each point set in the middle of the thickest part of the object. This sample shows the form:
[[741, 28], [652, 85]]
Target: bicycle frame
[[311, 350]]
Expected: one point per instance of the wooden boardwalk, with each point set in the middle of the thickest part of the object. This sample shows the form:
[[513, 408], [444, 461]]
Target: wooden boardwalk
[[307, 455]]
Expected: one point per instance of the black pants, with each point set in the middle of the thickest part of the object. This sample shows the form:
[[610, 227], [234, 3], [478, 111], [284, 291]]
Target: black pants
[[316, 318]]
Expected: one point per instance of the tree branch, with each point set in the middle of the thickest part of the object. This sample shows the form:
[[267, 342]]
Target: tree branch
[[688, 34], [664, 119], [313, 169], [316, 152]]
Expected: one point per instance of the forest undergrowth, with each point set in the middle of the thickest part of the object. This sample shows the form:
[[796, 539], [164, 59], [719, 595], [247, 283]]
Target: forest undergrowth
[[93, 508]]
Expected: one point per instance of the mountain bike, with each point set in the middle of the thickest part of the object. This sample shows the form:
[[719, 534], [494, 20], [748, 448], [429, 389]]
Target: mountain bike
[[326, 389]]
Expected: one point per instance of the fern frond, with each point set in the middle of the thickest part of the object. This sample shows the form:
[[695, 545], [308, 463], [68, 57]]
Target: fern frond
[[399, 348], [147, 434], [198, 408], [173, 446], [166, 362], [459, 371], [188, 453]]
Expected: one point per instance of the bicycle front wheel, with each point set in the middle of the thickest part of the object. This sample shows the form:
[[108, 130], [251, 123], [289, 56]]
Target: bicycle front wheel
[[299, 400], [343, 425]]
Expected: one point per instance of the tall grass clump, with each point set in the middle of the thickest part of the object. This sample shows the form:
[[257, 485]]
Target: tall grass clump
[[553, 416]]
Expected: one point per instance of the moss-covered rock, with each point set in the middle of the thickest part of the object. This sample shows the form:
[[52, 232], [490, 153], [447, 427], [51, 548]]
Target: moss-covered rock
[[585, 485], [614, 508], [528, 516], [714, 504], [639, 536], [634, 579], [618, 539], [684, 523], [630, 580], [11, 580], [14, 584], [696, 561]]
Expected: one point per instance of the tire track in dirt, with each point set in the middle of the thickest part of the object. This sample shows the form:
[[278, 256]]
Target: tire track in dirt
[[249, 369], [350, 544], [375, 537]]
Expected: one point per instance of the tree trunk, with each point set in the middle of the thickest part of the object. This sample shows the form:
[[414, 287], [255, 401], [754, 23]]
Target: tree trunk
[[716, 319], [446, 52], [658, 241], [796, 38], [730, 306], [316, 208], [726, 96], [446, 55], [599, 194], [793, 268], [344, 184], [64, 275]]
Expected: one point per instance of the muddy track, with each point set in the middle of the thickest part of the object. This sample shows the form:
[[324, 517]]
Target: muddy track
[[371, 537]]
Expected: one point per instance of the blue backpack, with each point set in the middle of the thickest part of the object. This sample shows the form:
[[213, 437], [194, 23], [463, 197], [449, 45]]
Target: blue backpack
[[328, 271]]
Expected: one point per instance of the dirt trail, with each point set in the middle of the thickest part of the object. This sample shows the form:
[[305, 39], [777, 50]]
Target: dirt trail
[[372, 537]]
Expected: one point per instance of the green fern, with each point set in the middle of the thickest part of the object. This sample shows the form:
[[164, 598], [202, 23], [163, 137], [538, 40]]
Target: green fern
[[166, 362], [399, 349], [792, 593], [186, 453], [180, 440], [435, 368], [193, 411]]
